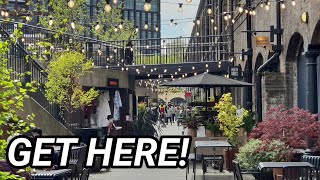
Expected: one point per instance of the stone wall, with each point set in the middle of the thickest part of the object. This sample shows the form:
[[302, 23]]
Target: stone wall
[[286, 79]]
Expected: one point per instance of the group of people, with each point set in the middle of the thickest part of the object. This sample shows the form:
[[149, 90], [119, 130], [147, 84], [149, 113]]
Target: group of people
[[169, 113]]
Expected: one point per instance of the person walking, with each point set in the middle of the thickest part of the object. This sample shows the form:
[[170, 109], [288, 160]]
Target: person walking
[[169, 114], [174, 113]]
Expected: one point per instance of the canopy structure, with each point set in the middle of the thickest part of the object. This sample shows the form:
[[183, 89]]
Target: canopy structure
[[207, 81]]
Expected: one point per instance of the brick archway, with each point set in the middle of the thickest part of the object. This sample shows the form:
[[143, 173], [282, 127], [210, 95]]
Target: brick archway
[[170, 95]]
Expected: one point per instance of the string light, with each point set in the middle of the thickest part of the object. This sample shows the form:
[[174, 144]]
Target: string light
[[212, 20], [198, 22], [28, 17], [50, 22], [71, 3], [137, 29], [233, 21], [122, 69], [175, 73], [146, 25], [115, 50], [97, 27], [115, 29], [180, 7], [207, 70], [283, 5], [198, 33], [240, 9], [147, 5], [2, 12], [193, 67], [107, 7], [293, 2], [209, 10], [157, 28], [189, 1], [115, 1], [107, 66], [207, 65], [165, 70], [121, 25], [22, 39], [215, 28], [176, 24], [99, 52], [73, 26], [171, 22], [195, 73], [179, 69], [6, 14]]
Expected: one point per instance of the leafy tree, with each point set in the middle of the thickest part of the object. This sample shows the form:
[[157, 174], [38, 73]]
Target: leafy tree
[[63, 86], [230, 123], [12, 96]]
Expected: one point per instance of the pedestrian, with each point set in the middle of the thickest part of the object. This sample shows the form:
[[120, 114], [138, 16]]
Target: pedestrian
[[111, 128], [169, 114], [174, 113]]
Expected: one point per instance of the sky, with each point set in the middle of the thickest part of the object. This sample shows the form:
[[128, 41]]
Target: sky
[[184, 19]]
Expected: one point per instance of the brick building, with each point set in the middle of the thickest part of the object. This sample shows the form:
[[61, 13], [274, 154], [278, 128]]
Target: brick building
[[292, 79]]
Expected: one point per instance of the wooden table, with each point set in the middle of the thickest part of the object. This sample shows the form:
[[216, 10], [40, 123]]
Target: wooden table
[[61, 174], [206, 144]]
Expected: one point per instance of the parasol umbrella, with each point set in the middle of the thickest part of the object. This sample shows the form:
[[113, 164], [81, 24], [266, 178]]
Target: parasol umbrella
[[207, 81]]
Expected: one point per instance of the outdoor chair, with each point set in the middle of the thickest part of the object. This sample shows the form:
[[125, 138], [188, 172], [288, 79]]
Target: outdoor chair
[[85, 174], [192, 157], [237, 172], [214, 159], [314, 160], [295, 173], [77, 159]]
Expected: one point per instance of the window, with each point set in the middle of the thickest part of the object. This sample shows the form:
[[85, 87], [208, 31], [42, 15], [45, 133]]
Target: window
[[129, 4]]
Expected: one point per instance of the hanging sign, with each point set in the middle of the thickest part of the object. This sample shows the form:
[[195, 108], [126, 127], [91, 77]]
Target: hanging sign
[[112, 82], [262, 41], [234, 72]]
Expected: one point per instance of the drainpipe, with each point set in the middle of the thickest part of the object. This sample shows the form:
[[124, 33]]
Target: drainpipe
[[277, 48], [258, 84]]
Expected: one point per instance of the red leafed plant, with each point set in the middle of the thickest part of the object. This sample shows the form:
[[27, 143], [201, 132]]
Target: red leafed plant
[[292, 126]]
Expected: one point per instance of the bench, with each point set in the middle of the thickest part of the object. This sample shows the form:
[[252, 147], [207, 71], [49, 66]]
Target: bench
[[314, 160]]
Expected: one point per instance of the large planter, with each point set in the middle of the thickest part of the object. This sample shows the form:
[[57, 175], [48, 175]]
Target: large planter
[[192, 132], [209, 133], [228, 156]]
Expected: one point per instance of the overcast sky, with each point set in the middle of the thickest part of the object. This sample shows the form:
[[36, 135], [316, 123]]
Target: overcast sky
[[184, 19]]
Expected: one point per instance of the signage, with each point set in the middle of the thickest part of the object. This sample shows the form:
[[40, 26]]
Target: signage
[[187, 94], [262, 41], [112, 82], [235, 72]]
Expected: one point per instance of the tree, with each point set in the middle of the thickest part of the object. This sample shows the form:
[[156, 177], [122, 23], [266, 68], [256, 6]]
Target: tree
[[63, 86], [230, 123], [12, 96]]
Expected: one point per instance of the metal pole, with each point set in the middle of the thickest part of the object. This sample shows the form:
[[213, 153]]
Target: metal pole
[[249, 68]]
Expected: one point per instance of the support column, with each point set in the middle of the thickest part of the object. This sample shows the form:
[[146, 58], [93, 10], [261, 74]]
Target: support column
[[311, 93]]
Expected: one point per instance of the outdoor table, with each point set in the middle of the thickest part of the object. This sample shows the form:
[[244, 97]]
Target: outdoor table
[[61, 174], [268, 165], [207, 144]]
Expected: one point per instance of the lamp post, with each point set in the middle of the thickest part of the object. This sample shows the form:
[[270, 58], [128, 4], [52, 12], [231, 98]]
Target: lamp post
[[249, 54]]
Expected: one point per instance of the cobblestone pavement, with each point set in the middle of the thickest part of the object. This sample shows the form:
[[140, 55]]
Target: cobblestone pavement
[[159, 174]]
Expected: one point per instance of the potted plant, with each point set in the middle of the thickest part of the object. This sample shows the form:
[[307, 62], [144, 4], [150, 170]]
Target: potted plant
[[192, 123], [230, 124], [256, 151], [212, 129]]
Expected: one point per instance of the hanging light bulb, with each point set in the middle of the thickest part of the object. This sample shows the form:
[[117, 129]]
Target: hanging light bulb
[[229, 16], [198, 22], [115, 29], [193, 67], [50, 22], [215, 28], [225, 17], [176, 24], [122, 69], [261, 5], [189, 1], [107, 7], [198, 33], [71, 3], [171, 22], [293, 2], [233, 21], [147, 5], [246, 11], [209, 10], [115, 1], [250, 12], [146, 25], [131, 49], [283, 5], [99, 52], [267, 7], [212, 20], [6, 14], [207, 70], [73, 26], [157, 28], [180, 7], [144, 66], [254, 12], [155, 68], [28, 17], [23, 39], [97, 27], [194, 23], [179, 69], [121, 25], [147, 46], [137, 29], [2, 12], [207, 65], [165, 70], [107, 66], [195, 73], [115, 50], [240, 9]]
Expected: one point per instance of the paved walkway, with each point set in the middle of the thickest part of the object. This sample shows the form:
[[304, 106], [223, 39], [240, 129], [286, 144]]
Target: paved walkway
[[159, 174]]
